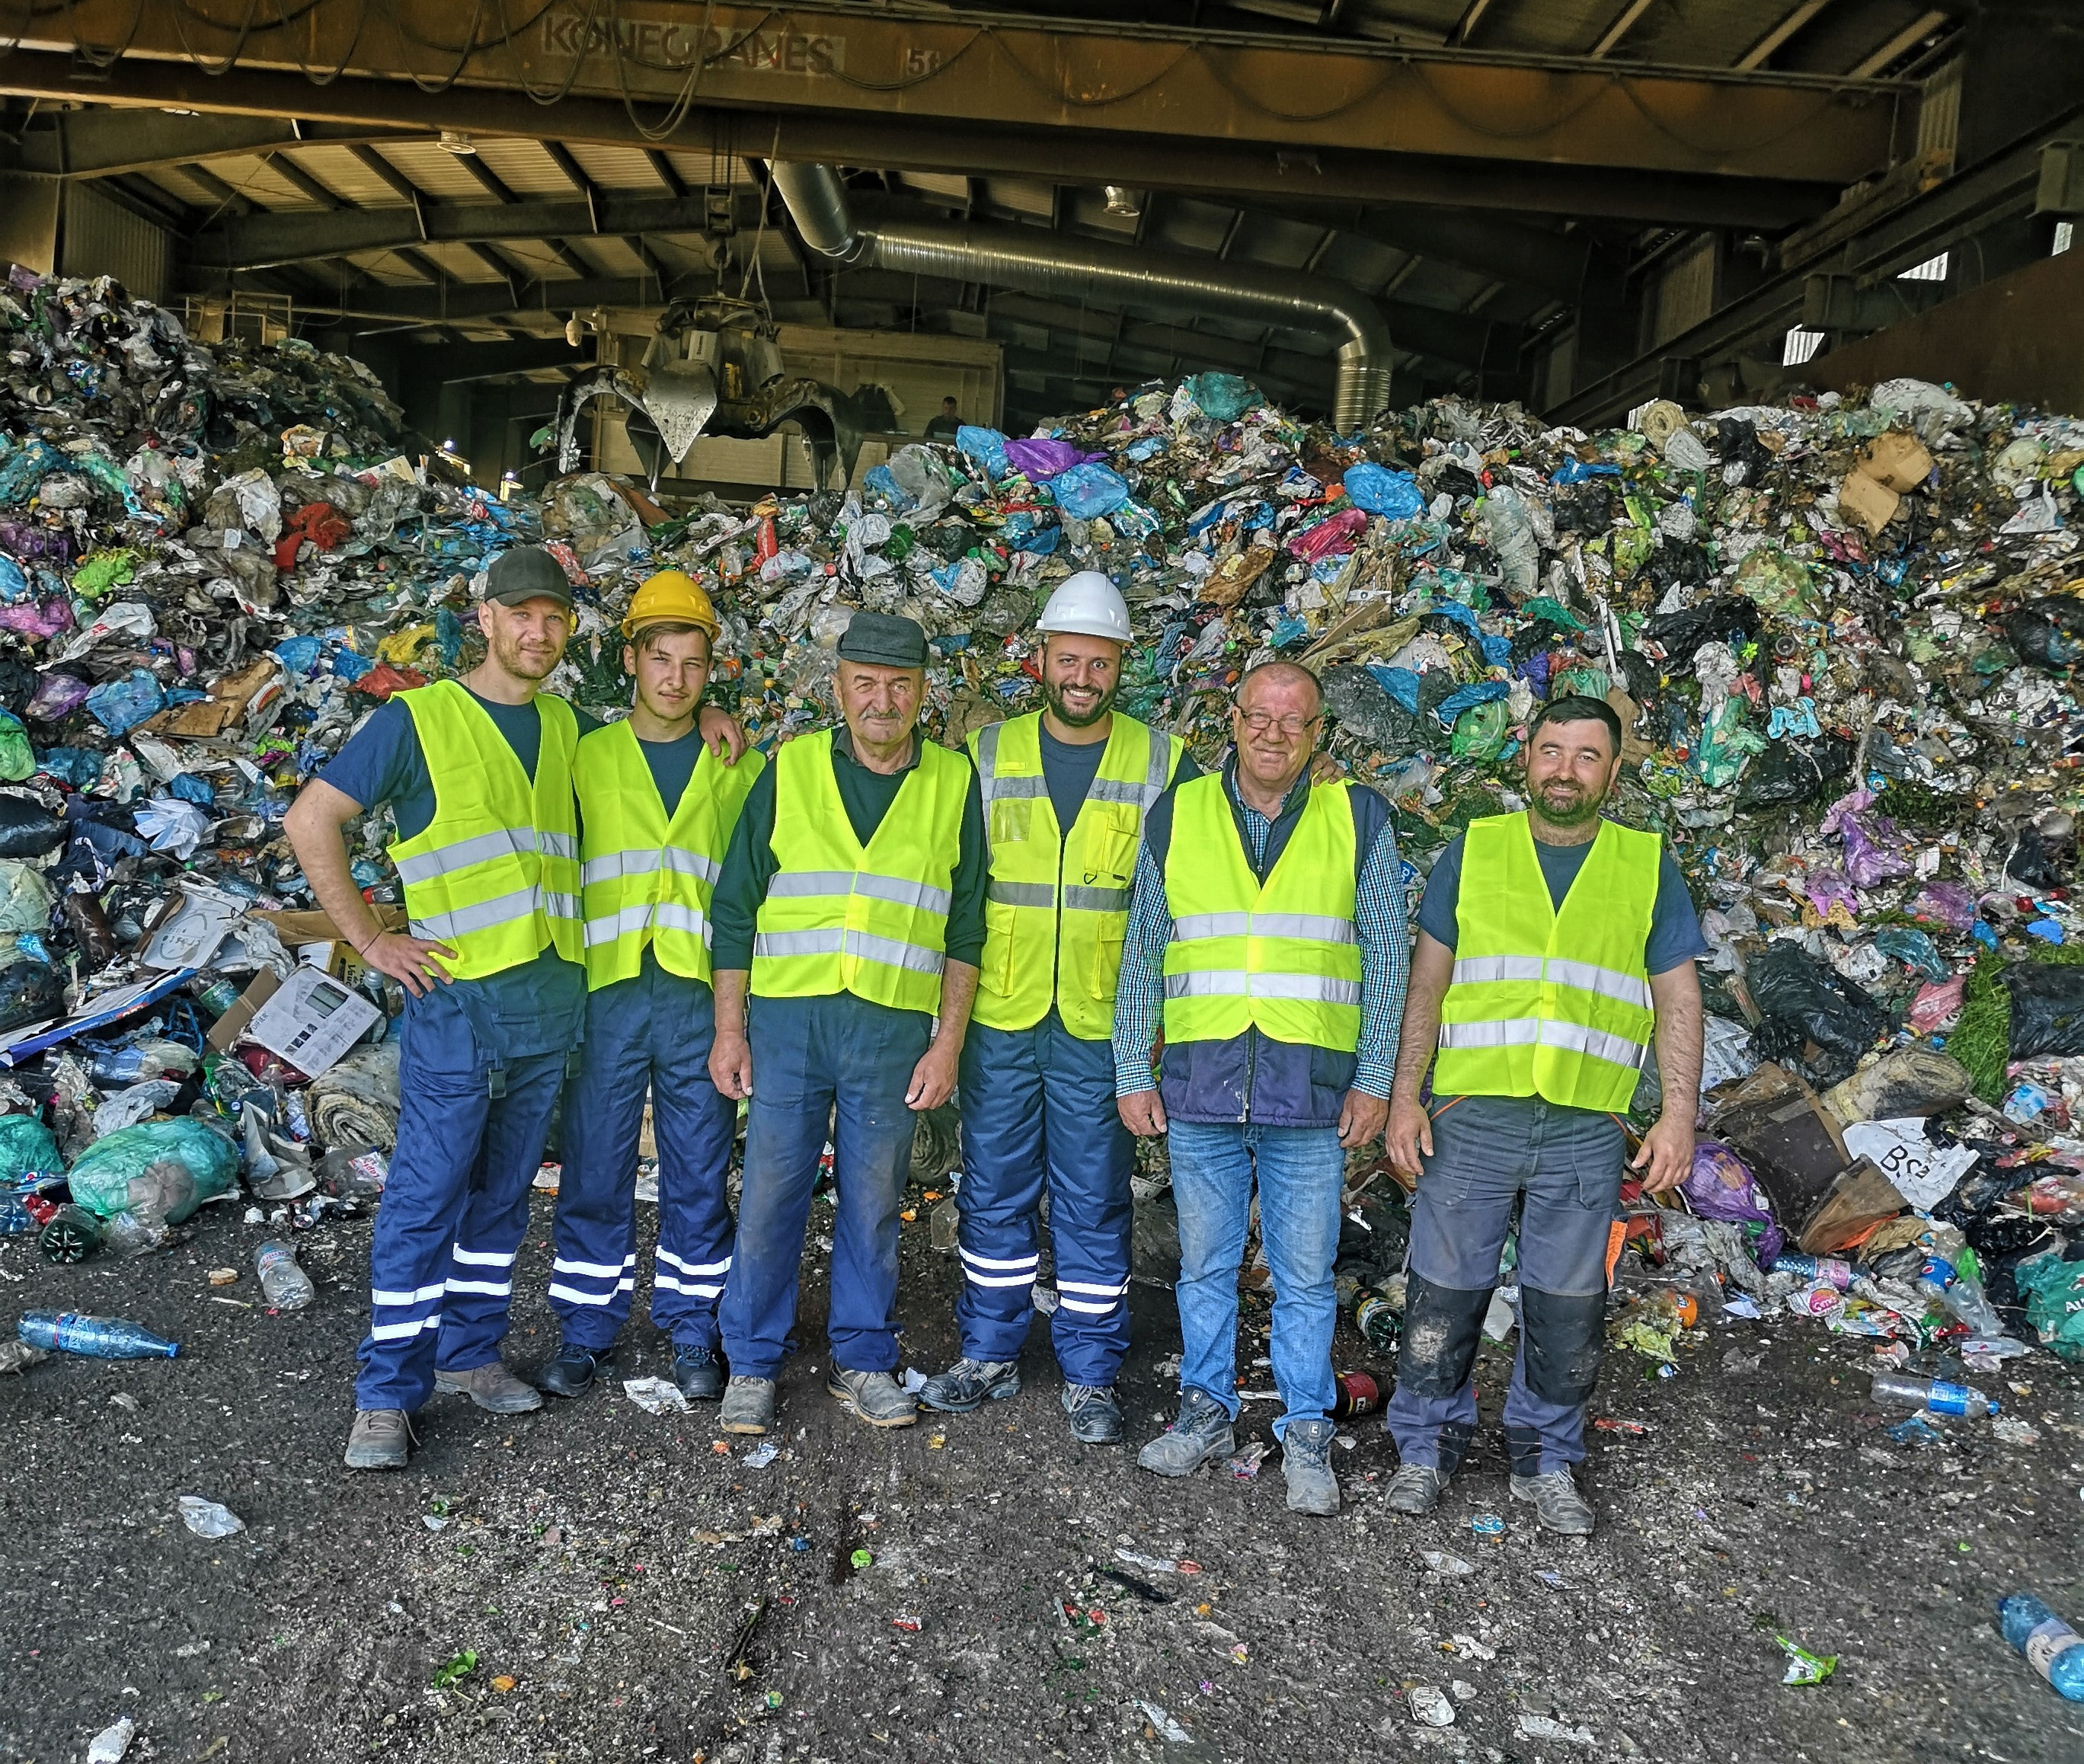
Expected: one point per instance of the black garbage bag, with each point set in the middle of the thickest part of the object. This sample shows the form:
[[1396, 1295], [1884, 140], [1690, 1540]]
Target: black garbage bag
[[2049, 632], [1732, 619], [2048, 1008], [1791, 773], [1802, 1001], [30, 992], [27, 828], [1356, 699], [2043, 855]]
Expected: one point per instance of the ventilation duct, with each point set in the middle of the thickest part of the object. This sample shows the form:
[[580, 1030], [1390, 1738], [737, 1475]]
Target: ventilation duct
[[1045, 263]]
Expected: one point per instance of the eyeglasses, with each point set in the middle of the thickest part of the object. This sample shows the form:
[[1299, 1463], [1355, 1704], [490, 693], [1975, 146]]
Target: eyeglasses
[[1291, 728]]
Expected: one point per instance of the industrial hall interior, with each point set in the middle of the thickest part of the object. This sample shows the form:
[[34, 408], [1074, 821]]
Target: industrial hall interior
[[1164, 882]]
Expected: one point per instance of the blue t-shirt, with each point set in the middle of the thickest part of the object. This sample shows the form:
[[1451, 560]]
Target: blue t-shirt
[[672, 764], [537, 1008], [1069, 769], [1675, 928]]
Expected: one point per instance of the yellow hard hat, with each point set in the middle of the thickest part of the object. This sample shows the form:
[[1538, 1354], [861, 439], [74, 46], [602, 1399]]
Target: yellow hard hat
[[671, 597]]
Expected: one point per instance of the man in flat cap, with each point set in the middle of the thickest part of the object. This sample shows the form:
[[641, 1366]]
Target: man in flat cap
[[851, 907]]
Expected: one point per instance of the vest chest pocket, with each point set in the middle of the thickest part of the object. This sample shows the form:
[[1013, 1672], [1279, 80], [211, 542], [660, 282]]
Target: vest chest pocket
[[1012, 822], [1110, 845]]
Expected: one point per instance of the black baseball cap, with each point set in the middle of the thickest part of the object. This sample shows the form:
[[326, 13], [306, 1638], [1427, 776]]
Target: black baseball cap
[[526, 572]]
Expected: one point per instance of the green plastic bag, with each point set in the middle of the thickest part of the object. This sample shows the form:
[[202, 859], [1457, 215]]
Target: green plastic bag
[[2054, 1302], [18, 759], [26, 1150], [1480, 731], [105, 570], [101, 1179]]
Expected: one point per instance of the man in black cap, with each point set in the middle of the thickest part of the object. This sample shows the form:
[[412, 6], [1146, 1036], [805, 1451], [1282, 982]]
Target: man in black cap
[[851, 907], [477, 772]]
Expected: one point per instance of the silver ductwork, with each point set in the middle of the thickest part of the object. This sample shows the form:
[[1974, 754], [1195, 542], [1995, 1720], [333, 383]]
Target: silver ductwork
[[1039, 263]]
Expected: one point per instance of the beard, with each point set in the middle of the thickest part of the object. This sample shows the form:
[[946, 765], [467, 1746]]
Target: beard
[[1565, 805], [521, 664], [1080, 720]]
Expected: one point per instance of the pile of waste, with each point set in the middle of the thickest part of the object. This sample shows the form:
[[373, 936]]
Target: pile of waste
[[1841, 632]]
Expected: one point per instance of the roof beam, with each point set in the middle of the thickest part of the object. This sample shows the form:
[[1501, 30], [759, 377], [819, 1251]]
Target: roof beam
[[485, 177], [668, 173], [1903, 40], [1611, 35], [1758, 54], [445, 301], [98, 143], [300, 180], [1730, 187], [286, 236]]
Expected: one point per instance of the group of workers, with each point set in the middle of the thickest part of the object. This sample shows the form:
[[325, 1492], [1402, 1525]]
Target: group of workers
[[1069, 928]]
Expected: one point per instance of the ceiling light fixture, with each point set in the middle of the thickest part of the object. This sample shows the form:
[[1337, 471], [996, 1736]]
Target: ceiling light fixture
[[1122, 200], [453, 141]]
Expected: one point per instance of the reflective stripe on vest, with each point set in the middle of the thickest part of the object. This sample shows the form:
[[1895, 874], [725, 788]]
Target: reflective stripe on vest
[[840, 918], [1282, 957], [495, 875], [1057, 907], [649, 880], [1522, 1019]]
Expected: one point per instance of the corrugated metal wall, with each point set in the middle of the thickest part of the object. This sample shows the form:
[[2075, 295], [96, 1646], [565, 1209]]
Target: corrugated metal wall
[[99, 236]]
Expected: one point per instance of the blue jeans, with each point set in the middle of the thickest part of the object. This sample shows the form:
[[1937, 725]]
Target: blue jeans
[[1299, 1171], [843, 1061]]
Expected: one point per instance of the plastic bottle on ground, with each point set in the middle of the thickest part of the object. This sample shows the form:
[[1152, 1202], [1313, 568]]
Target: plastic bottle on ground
[[1909, 1390], [285, 1285], [101, 1338], [1962, 1294], [2051, 1647]]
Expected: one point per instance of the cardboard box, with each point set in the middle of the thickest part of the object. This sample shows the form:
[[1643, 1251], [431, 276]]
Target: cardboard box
[[231, 700], [1897, 461], [229, 1027], [298, 929], [1868, 501]]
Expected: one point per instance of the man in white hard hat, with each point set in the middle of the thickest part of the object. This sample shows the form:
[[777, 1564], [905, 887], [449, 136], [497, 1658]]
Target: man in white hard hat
[[1065, 790]]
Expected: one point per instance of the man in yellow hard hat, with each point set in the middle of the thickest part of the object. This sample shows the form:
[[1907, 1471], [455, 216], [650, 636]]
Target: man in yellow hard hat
[[656, 812], [1065, 790]]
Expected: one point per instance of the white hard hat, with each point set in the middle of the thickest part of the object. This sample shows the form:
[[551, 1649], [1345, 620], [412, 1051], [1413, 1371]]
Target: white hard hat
[[1087, 605]]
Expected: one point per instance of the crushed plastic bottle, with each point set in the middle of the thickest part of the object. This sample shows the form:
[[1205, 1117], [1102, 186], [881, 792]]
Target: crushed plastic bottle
[[209, 1518], [285, 1285], [100, 1337], [2051, 1647]]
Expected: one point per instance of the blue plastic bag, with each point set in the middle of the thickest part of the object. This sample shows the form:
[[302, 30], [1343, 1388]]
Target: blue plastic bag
[[120, 705], [1467, 699], [298, 655], [880, 480], [1575, 471], [1394, 495], [1089, 491], [986, 447], [1401, 684], [13, 583]]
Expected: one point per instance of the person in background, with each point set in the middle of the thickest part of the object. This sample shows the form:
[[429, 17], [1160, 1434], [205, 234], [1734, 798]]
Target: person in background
[[478, 774], [1065, 790], [1268, 916], [1552, 944], [656, 813], [851, 907], [944, 426]]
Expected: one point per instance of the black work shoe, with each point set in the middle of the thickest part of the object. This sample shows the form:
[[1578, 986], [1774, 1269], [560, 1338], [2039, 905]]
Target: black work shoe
[[570, 1371], [1200, 1435], [698, 1373], [969, 1384], [1096, 1413]]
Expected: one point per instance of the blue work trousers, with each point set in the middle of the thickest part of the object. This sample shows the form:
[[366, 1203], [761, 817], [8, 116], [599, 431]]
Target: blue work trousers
[[471, 1131], [1038, 1106], [1299, 1171], [840, 1060], [650, 1034], [1487, 1152]]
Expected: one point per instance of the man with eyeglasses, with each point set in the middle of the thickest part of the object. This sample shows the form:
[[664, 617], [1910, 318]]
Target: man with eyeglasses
[[1267, 934]]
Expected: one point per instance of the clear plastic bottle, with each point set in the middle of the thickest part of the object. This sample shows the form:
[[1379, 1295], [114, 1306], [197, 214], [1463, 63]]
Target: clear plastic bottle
[[1941, 1283], [2051, 1647], [285, 1285], [1908, 1390]]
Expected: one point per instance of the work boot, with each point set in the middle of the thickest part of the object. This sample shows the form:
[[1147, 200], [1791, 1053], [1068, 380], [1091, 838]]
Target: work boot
[[1415, 1488], [1557, 1504], [1096, 1413], [876, 1396], [1200, 1435], [698, 1373], [748, 1405], [490, 1387], [380, 1440], [969, 1384], [570, 1371], [1306, 1461]]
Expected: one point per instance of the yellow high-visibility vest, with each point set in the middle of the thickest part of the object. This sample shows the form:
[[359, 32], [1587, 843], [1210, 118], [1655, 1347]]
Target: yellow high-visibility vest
[[1057, 907], [1548, 1003], [649, 881], [1282, 957], [842, 918], [495, 875]]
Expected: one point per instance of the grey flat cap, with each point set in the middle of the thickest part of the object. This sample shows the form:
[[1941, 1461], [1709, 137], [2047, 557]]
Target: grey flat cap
[[885, 639], [526, 572]]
